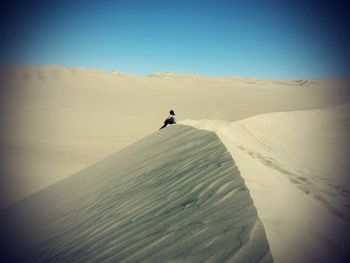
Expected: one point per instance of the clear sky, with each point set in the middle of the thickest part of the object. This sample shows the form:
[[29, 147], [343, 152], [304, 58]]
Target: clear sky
[[264, 39]]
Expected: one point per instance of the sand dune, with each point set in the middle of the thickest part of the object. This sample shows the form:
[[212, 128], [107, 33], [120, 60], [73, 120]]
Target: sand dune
[[56, 121], [295, 165], [294, 162], [174, 196]]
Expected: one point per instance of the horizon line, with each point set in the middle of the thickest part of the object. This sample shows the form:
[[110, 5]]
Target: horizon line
[[9, 65]]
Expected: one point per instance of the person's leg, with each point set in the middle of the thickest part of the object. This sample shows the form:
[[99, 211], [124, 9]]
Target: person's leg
[[166, 122]]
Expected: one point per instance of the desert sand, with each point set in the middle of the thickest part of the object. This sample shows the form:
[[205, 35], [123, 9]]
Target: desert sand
[[296, 167], [58, 120], [288, 138]]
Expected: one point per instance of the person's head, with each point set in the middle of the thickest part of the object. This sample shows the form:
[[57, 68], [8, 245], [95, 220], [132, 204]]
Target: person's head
[[172, 112]]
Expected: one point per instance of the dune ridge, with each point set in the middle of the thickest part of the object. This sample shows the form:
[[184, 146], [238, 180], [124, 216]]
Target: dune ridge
[[174, 196]]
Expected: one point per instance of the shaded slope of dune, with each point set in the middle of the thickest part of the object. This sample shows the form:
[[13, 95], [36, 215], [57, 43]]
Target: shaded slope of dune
[[175, 195]]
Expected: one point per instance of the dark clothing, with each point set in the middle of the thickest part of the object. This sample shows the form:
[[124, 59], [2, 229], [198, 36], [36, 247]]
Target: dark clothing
[[166, 122]]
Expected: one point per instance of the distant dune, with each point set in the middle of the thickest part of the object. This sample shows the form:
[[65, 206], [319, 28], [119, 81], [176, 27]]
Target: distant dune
[[174, 196], [56, 121]]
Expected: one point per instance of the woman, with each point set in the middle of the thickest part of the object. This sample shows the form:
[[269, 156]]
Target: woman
[[170, 120]]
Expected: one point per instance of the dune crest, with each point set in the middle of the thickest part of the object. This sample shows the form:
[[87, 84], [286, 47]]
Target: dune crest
[[175, 195]]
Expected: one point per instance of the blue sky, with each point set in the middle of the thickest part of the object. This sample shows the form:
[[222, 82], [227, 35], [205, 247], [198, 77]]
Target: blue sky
[[264, 39]]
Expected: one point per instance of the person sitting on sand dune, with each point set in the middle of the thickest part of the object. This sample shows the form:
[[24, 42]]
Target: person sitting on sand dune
[[170, 120]]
